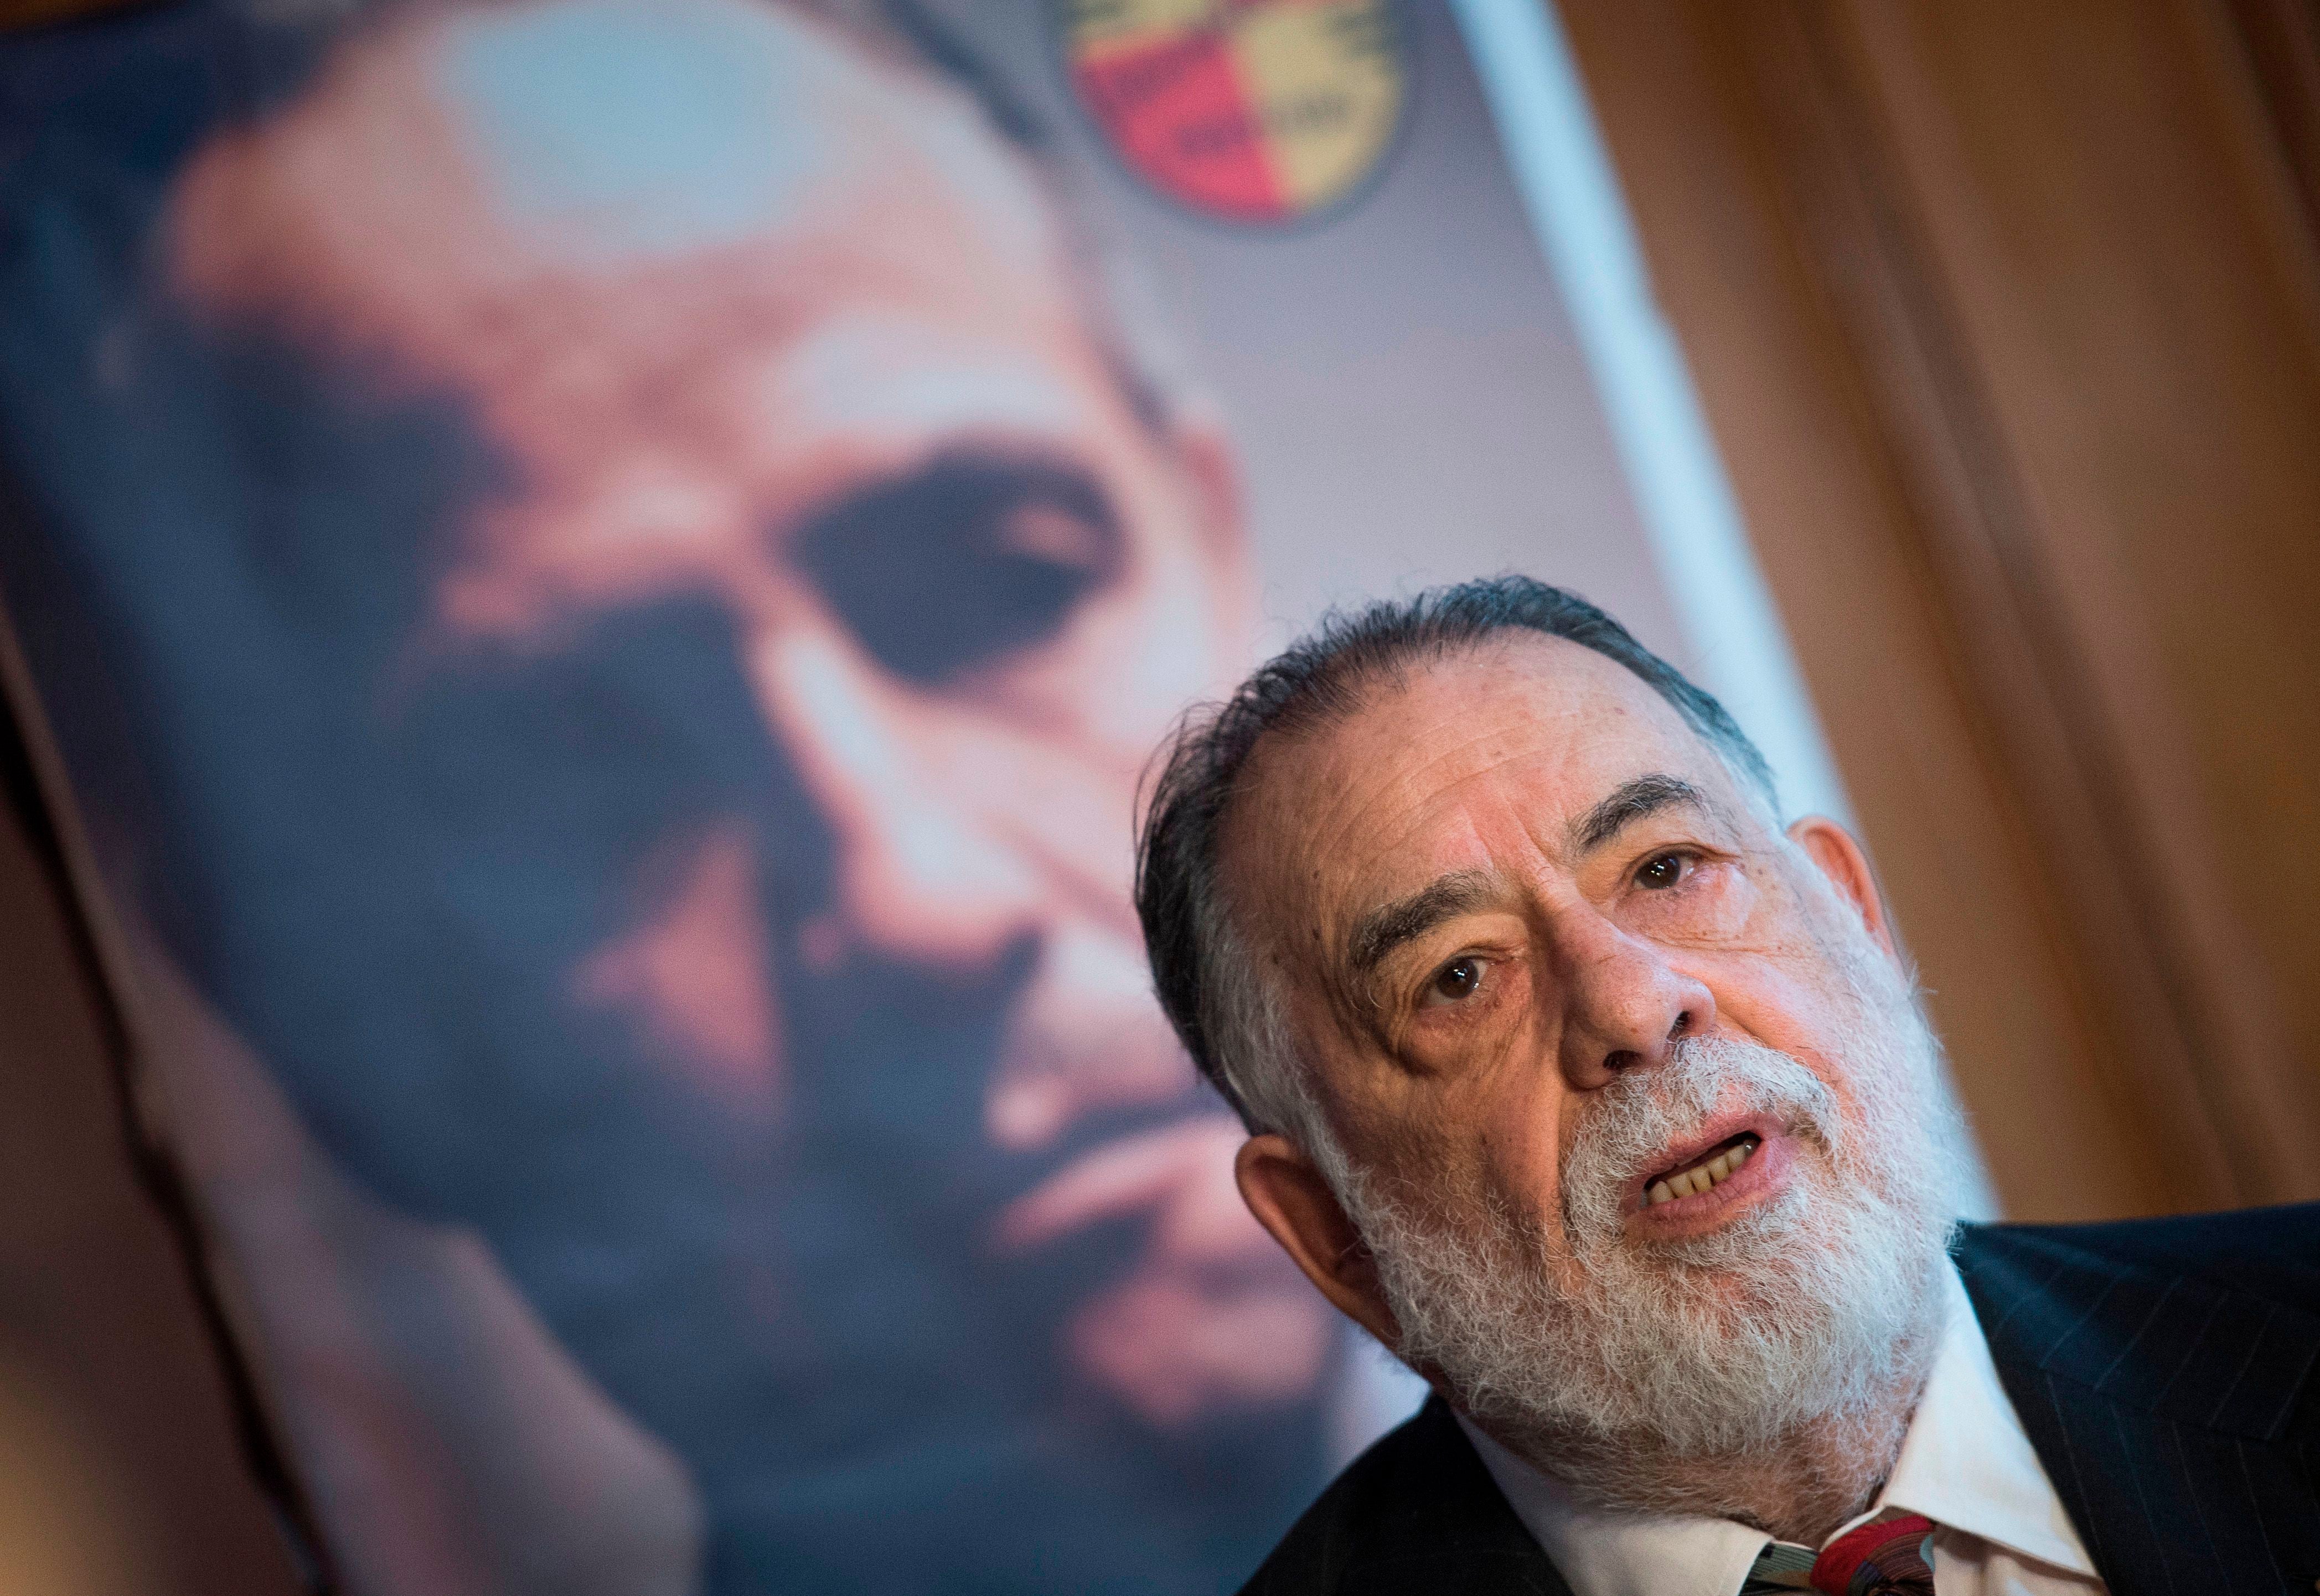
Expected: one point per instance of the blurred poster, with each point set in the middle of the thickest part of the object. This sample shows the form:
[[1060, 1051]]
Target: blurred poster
[[605, 572]]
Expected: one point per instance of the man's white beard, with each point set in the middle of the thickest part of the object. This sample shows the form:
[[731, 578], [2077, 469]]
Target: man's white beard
[[1620, 1365]]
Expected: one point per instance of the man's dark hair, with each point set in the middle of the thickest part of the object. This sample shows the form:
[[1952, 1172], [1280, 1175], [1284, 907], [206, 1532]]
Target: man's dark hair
[[1206, 983]]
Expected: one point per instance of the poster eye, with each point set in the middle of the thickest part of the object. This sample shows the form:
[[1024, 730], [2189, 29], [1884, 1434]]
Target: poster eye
[[969, 561]]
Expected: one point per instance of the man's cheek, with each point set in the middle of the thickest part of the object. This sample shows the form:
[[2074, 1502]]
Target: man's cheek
[[1783, 1002]]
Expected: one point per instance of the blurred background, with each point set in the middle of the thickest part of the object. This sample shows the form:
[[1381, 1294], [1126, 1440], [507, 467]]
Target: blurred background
[[589, 583]]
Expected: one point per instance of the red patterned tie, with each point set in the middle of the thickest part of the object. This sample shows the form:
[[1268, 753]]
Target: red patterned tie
[[1889, 1557]]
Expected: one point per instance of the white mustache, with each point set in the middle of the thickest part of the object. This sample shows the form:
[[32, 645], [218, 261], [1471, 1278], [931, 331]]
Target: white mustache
[[1639, 1115]]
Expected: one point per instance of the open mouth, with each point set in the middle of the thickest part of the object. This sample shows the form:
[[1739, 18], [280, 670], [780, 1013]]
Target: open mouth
[[1703, 1173]]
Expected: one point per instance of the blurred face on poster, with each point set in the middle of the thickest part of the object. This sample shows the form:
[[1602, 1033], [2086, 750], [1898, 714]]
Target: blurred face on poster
[[746, 756]]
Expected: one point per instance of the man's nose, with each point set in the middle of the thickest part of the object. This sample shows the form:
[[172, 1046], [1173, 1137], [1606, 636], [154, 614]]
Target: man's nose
[[914, 875], [1624, 1004]]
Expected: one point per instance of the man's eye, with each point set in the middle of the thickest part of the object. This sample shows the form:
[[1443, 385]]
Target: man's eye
[[1457, 980], [1662, 872]]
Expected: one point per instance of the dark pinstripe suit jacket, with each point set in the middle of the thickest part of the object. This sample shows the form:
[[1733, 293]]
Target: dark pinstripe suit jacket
[[2162, 1369]]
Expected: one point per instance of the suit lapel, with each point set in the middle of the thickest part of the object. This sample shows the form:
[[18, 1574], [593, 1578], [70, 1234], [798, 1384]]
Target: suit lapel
[[1445, 1525], [2164, 1408]]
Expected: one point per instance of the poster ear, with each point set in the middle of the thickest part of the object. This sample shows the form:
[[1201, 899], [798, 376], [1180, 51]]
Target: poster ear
[[1212, 475], [1209, 471]]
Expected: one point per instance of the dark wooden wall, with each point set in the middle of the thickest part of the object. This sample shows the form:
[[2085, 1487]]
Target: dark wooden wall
[[2007, 319]]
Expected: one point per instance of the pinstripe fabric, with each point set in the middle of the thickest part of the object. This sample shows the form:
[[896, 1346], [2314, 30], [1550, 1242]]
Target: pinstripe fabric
[[1417, 1512], [2164, 1370]]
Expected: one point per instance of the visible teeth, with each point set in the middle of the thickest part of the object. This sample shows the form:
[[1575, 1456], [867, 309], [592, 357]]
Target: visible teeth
[[1690, 1183]]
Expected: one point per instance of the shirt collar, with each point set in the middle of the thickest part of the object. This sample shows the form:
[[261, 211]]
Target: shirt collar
[[1965, 1464], [1602, 1553]]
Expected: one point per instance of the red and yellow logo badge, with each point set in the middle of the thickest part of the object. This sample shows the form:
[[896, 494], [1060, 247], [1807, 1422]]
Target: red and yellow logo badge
[[1260, 111]]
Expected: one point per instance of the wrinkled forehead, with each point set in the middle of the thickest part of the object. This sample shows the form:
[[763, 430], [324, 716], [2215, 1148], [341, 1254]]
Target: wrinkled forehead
[[1482, 761], [465, 156]]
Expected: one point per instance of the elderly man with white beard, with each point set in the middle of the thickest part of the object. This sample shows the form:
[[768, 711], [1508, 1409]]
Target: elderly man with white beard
[[1605, 1102]]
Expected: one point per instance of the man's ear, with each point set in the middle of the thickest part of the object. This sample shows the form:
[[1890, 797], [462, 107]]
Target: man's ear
[[1846, 864], [1290, 1200]]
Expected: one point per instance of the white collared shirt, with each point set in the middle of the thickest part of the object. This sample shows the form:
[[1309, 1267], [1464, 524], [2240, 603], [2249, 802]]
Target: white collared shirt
[[2000, 1529]]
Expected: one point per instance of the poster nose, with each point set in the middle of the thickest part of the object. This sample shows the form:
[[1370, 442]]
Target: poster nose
[[915, 874]]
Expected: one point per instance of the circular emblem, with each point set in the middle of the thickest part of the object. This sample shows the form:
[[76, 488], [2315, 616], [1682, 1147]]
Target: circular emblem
[[1257, 111]]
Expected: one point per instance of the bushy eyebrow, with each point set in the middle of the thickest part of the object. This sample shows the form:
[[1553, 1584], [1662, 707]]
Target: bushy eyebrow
[[1388, 926], [1631, 801]]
